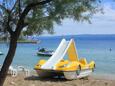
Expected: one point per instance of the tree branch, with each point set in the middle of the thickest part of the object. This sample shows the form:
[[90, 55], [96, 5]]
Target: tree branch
[[19, 7], [25, 12], [7, 26], [1, 6], [14, 5], [30, 6], [39, 3]]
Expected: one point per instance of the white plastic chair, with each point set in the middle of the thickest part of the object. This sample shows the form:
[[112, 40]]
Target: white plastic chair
[[27, 71], [12, 71]]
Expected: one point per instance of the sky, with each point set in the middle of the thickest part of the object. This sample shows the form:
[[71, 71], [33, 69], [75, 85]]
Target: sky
[[101, 23]]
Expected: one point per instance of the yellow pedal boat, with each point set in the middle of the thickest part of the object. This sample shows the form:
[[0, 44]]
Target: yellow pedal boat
[[71, 68]]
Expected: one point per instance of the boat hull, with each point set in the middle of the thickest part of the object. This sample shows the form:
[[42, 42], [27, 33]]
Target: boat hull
[[77, 74], [70, 75], [44, 54], [48, 73]]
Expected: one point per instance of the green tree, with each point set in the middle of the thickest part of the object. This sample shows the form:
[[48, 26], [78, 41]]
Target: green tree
[[38, 16]]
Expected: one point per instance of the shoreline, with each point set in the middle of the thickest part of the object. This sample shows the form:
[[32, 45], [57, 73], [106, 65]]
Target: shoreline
[[25, 42]]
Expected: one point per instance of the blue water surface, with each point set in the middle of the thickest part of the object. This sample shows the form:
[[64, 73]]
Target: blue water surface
[[92, 47]]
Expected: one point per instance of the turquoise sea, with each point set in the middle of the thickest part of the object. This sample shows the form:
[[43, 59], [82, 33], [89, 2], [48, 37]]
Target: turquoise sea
[[92, 47]]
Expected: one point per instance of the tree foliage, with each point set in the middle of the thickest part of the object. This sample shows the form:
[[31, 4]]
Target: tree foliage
[[43, 17]]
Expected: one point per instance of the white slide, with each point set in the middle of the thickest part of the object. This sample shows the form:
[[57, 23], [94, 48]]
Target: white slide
[[57, 56]]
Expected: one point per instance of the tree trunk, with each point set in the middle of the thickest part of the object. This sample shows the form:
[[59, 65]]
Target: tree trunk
[[8, 59]]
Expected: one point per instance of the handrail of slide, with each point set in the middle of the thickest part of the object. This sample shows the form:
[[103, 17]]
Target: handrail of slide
[[57, 56]]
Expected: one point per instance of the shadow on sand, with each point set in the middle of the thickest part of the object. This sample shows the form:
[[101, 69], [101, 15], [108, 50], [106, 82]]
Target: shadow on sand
[[53, 79]]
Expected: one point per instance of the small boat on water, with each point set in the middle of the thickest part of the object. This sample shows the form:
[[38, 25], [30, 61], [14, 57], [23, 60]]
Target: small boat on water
[[44, 52], [1, 53]]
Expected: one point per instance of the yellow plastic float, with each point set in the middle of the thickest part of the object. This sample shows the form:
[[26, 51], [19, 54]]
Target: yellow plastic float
[[72, 68]]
